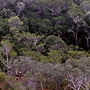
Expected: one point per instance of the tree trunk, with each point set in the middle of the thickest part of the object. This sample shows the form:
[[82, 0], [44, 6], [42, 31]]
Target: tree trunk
[[7, 60], [75, 34], [41, 85], [87, 42], [76, 39], [18, 12], [7, 63]]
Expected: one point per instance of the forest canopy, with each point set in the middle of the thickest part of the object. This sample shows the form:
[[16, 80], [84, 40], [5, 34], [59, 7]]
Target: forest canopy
[[45, 44]]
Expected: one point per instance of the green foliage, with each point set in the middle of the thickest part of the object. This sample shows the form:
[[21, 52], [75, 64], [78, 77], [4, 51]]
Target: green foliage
[[85, 5], [15, 21], [6, 45], [27, 75], [2, 77], [75, 10], [77, 54], [54, 41], [53, 57], [15, 24], [13, 53], [19, 86], [3, 26], [38, 38], [7, 87], [87, 18]]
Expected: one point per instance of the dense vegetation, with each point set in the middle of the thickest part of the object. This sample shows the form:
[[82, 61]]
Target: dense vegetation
[[45, 44]]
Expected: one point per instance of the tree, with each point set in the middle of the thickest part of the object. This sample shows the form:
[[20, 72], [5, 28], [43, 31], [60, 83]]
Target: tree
[[4, 27], [7, 54], [77, 73], [20, 6], [60, 25], [7, 13], [5, 49], [28, 39], [15, 24], [3, 4], [29, 81], [75, 79], [52, 8], [77, 21], [77, 54], [87, 31], [85, 5], [39, 77], [54, 56], [54, 41]]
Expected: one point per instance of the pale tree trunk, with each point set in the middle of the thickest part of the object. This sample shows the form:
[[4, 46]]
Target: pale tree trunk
[[76, 39], [87, 42], [42, 88], [7, 60], [18, 12], [75, 34], [87, 38], [7, 63]]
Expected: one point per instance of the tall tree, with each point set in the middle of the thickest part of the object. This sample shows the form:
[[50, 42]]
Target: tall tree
[[15, 24], [76, 15], [20, 6]]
